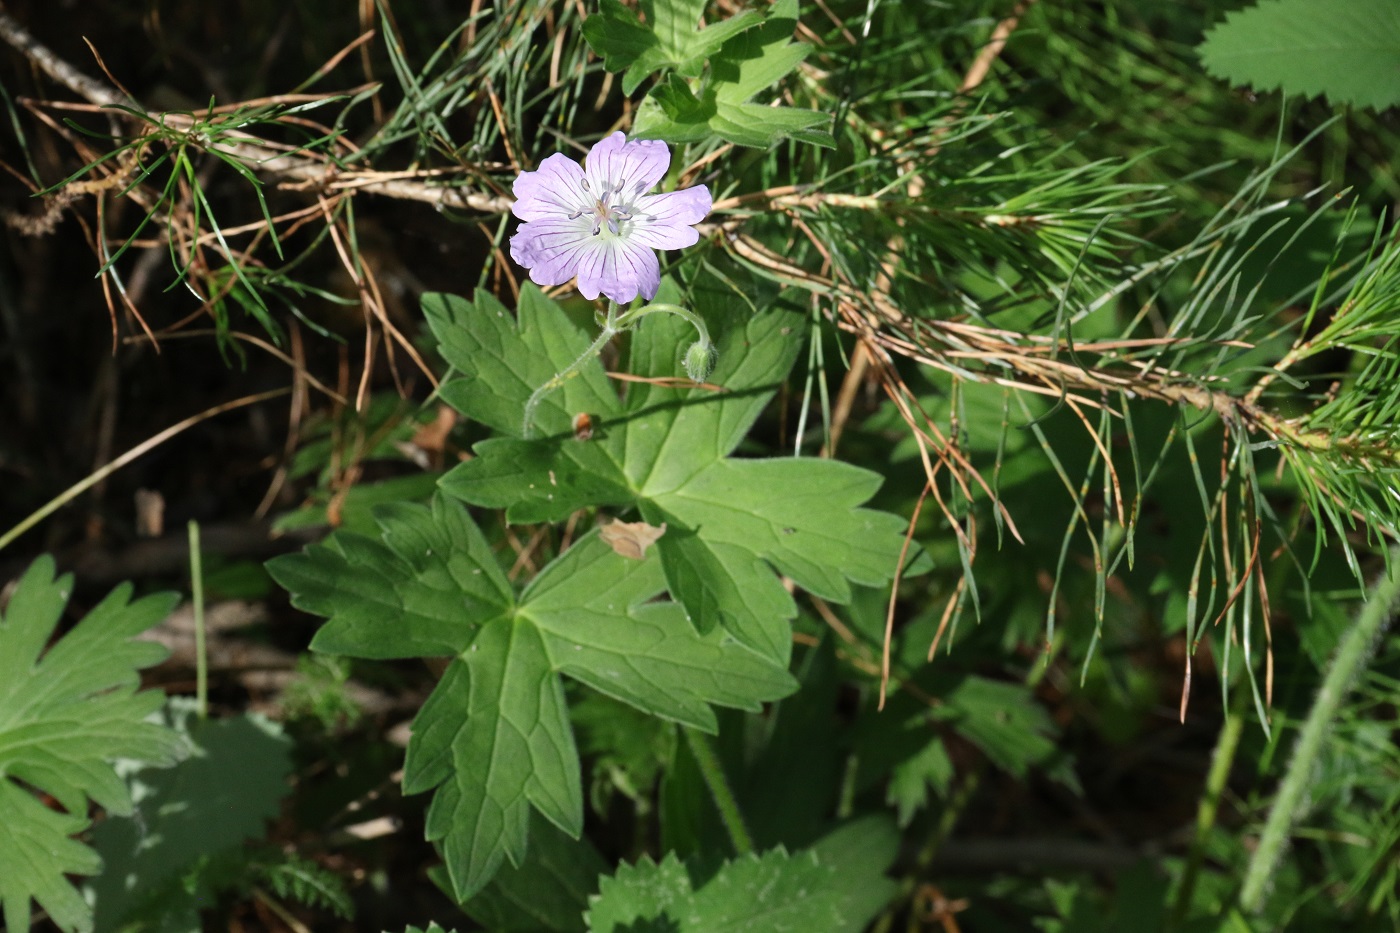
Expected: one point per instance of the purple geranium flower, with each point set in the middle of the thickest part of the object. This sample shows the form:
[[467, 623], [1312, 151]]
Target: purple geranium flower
[[598, 222]]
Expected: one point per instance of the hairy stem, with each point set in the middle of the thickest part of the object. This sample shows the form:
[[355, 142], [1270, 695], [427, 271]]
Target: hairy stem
[[1350, 661], [723, 795], [1226, 745], [611, 327], [664, 307]]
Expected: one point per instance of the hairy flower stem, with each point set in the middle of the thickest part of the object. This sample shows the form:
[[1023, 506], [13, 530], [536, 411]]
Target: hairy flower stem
[[1350, 661], [632, 317], [1221, 763], [613, 325], [610, 329], [701, 355], [713, 773]]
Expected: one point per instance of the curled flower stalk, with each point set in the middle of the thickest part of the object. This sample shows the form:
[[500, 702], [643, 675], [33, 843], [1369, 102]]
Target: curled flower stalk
[[598, 224], [699, 360], [701, 356], [610, 330]]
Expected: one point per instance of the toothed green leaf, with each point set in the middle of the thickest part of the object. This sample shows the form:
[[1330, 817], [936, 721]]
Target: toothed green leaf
[[663, 37], [1348, 50], [65, 715], [732, 525], [494, 740]]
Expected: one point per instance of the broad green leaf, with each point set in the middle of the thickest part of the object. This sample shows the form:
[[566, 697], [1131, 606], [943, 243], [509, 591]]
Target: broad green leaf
[[911, 779], [432, 574], [835, 888], [748, 64], [732, 526], [217, 799], [759, 59], [639, 893], [482, 339], [35, 855], [593, 609], [494, 739], [1348, 50], [549, 891], [65, 715], [905, 741], [664, 37]]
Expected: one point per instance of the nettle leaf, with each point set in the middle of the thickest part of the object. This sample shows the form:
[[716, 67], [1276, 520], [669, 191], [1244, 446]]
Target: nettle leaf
[[212, 803], [1002, 719], [664, 36], [64, 717], [748, 63], [1348, 51], [494, 739], [731, 525], [835, 888]]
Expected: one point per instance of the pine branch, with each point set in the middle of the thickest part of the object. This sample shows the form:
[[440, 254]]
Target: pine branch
[[261, 155]]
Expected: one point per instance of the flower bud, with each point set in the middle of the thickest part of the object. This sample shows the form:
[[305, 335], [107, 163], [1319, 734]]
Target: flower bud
[[700, 361]]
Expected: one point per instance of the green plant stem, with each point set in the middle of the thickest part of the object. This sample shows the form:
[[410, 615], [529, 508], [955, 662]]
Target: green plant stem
[[1226, 746], [664, 307], [201, 662], [1350, 660], [718, 784], [611, 327]]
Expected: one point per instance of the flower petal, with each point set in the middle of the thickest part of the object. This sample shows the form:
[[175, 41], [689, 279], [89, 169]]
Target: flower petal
[[663, 221], [552, 248], [553, 189], [620, 270], [615, 165]]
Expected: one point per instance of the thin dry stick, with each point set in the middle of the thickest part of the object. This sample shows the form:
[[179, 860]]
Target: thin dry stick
[[947, 616], [894, 595], [145, 446], [846, 397], [301, 377], [982, 64]]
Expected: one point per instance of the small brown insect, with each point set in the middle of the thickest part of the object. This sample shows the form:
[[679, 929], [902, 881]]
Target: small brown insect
[[583, 426]]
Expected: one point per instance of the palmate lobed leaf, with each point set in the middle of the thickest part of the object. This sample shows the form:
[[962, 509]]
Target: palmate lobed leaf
[[731, 525], [749, 62], [494, 739], [664, 37], [64, 717]]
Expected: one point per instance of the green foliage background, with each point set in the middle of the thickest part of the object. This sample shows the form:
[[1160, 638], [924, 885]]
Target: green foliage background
[[1111, 339]]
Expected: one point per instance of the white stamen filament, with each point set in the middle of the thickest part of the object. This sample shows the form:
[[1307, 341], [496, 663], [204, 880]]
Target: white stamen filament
[[605, 214]]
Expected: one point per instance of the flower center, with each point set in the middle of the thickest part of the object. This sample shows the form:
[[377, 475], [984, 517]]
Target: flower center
[[605, 216], [608, 216]]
